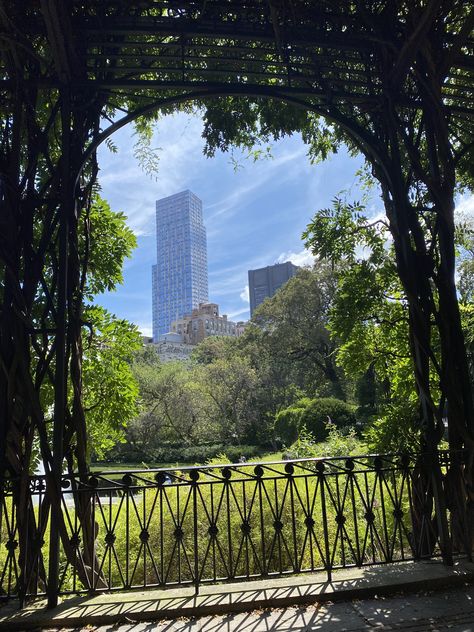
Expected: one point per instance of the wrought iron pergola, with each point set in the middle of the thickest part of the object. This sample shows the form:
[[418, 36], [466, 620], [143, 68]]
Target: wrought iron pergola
[[319, 55], [396, 78]]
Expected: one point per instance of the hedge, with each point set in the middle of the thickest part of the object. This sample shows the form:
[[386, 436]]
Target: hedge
[[314, 415]]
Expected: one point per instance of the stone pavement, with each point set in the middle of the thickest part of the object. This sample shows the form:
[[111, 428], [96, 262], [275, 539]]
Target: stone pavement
[[451, 610], [246, 606]]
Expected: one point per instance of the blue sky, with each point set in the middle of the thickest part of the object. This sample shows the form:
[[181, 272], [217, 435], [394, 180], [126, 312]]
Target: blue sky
[[254, 215]]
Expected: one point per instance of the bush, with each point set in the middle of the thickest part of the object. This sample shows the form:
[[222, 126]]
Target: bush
[[338, 443], [287, 422], [320, 411], [313, 415], [188, 454]]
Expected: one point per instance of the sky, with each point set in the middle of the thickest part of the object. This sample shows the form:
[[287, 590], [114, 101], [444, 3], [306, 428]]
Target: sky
[[254, 214]]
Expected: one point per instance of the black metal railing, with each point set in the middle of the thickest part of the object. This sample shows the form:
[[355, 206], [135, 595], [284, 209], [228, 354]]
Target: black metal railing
[[192, 525]]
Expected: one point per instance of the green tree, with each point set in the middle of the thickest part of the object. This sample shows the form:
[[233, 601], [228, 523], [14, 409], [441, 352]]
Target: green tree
[[370, 318], [294, 333], [105, 243], [110, 390], [214, 348], [170, 406], [466, 262], [229, 387], [466, 286], [276, 387]]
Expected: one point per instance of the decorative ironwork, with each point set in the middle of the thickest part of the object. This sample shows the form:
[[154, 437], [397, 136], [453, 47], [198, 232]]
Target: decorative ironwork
[[234, 522]]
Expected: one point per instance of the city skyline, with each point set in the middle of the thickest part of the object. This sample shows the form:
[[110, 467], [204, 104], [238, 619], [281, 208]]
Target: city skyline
[[180, 276], [255, 212]]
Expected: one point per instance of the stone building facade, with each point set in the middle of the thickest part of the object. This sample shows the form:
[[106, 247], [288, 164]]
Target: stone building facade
[[202, 322]]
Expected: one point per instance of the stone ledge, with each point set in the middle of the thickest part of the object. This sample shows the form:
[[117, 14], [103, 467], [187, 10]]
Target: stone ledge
[[127, 607]]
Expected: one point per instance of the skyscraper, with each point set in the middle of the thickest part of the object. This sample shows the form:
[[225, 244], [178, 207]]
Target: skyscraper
[[264, 282], [179, 278]]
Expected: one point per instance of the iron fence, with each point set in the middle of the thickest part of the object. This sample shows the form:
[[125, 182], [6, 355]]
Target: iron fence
[[220, 523]]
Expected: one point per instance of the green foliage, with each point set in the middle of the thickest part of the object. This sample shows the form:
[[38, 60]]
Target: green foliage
[[338, 443], [467, 316], [229, 387], [213, 348], [322, 411], [369, 394], [287, 422], [109, 389], [110, 243], [336, 233], [147, 156], [238, 122], [465, 234], [179, 453], [397, 430], [313, 416], [169, 406], [369, 313], [293, 333]]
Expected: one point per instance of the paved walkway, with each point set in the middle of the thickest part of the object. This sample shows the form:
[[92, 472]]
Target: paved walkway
[[437, 612], [304, 602]]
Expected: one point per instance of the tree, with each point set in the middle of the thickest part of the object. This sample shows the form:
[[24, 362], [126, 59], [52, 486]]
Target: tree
[[230, 386], [293, 325], [214, 348], [170, 410], [369, 315], [189, 405], [466, 262], [466, 287], [110, 390]]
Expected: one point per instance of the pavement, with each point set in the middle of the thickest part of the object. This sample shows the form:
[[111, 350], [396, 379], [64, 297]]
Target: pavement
[[426, 611], [415, 597]]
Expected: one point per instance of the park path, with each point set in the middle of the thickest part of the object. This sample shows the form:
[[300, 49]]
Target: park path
[[440, 611]]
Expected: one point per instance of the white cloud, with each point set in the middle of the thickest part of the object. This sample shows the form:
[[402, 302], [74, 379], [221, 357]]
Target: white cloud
[[260, 173], [302, 258], [244, 295], [464, 210], [145, 330], [126, 186], [240, 312]]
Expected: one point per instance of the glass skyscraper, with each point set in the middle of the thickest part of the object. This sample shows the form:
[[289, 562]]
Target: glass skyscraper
[[179, 278]]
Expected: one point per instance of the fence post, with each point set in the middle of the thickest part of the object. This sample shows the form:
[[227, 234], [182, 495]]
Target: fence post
[[194, 476], [320, 468], [441, 509]]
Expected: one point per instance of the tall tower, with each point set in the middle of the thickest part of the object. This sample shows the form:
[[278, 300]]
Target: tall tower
[[264, 282], [179, 278]]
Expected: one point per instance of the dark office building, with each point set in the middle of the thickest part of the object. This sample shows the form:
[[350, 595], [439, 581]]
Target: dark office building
[[264, 282]]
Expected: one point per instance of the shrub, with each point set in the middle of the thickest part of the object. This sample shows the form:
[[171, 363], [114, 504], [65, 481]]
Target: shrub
[[189, 454], [320, 411], [339, 443], [287, 422]]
